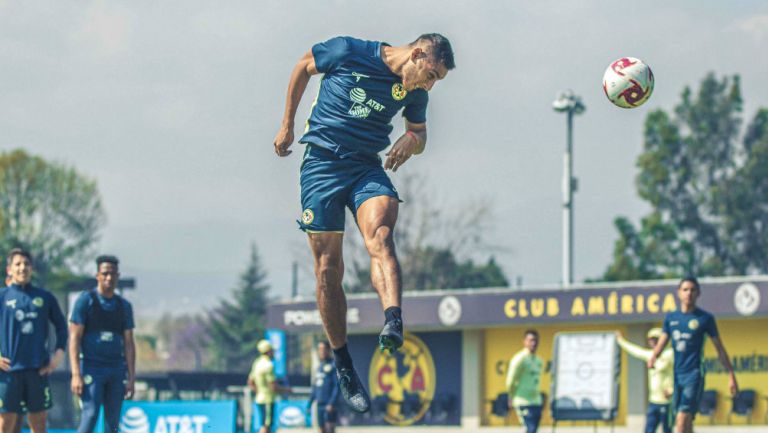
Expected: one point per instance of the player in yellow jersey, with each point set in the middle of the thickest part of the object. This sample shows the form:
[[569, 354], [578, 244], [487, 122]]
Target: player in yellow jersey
[[523, 378], [660, 380], [263, 382]]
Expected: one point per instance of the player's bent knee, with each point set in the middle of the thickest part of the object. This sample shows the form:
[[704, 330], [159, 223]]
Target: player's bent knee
[[381, 243]]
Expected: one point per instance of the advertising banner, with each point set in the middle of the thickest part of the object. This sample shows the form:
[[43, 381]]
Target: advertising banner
[[488, 307], [176, 417], [288, 414], [278, 340]]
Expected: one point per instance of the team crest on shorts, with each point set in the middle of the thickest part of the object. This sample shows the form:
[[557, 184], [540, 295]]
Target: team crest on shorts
[[693, 324], [398, 92], [37, 302], [307, 217], [87, 379]]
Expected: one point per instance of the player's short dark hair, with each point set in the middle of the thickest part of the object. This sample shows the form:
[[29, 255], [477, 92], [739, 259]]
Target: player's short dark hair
[[105, 258], [324, 343], [17, 252], [690, 279], [441, 48], [533, 332]]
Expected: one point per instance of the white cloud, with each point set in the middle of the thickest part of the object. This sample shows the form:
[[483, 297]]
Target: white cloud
[[107, 27], [756, 26]]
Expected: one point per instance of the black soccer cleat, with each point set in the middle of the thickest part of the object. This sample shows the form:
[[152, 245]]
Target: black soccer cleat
[[353, 391], [391, 337]]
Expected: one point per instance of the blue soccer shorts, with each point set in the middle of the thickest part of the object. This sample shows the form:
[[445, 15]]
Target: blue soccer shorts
[[688, 390], [329, 184]]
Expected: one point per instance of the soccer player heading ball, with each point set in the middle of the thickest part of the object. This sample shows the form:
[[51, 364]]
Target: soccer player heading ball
[[365, 84]]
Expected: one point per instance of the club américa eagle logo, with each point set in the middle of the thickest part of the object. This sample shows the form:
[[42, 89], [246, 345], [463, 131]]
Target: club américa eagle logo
[[307, 216], [406, 378], [398, 92]]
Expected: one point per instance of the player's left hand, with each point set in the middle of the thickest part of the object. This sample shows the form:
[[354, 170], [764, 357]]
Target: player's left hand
[[283, 141], [733, 386], [403, 149], [5, 364], [130, 386]]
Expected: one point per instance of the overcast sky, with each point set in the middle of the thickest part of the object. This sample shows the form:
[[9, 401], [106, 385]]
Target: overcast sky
[[172, 107]]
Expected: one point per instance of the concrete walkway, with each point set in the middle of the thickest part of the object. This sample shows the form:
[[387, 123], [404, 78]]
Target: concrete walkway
[[544, 429]]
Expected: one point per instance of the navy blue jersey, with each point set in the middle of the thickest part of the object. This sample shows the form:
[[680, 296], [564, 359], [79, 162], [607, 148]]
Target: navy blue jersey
[[358, 97], [325, 385], [102, 346], [687, 332], [24, 316]]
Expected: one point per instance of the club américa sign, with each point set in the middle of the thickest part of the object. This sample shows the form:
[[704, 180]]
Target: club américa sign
[[492, 307]]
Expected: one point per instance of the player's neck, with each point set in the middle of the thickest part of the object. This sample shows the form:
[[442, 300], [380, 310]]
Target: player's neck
[[687, 308], [396, 57], [106, 292]]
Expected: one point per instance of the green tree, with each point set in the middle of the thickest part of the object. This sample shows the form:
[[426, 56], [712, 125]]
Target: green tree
[[236, 326], [51, 210], [705, 189]]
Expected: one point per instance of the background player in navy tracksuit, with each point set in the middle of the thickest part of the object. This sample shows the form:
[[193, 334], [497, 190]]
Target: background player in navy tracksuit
[[687, 328], [25, 361], [325, 390], [365, 83], [102, 349]]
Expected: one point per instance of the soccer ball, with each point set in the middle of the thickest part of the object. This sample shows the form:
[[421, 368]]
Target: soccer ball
[[628, 82]]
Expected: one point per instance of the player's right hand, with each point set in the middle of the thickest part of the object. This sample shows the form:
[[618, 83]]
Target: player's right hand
[[76, 384], [5, 364], [283, 141]]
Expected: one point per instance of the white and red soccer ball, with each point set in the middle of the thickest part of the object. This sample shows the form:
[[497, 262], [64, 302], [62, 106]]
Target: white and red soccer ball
[[628, 82]]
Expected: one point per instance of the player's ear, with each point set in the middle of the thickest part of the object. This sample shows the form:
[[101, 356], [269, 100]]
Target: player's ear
[[416, 54]]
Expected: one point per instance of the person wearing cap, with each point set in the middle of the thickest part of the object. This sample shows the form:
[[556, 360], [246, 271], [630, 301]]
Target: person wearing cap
[[660, 380], [263, 382]]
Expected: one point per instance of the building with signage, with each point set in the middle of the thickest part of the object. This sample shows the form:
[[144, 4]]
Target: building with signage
[[453, 365]]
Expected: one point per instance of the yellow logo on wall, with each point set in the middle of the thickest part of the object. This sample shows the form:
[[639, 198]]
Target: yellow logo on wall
[[406, 379], [398, 92]]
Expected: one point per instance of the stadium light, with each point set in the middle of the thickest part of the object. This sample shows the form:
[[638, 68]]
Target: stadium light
[[570, 104]]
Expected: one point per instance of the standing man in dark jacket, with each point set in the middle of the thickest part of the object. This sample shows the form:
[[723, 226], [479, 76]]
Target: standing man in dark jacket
[[325, 390], [101, 350], [25, 360]]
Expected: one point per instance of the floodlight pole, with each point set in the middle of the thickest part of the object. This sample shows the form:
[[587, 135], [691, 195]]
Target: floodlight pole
[[571, 105]]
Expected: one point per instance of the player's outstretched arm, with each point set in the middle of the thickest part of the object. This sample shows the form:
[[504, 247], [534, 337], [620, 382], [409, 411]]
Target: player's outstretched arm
[[412, 142], [303, 70], [657, 350], [722, 354], [633, 350]]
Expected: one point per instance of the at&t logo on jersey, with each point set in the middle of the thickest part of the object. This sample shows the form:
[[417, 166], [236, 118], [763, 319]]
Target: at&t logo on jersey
[[362, 105]]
